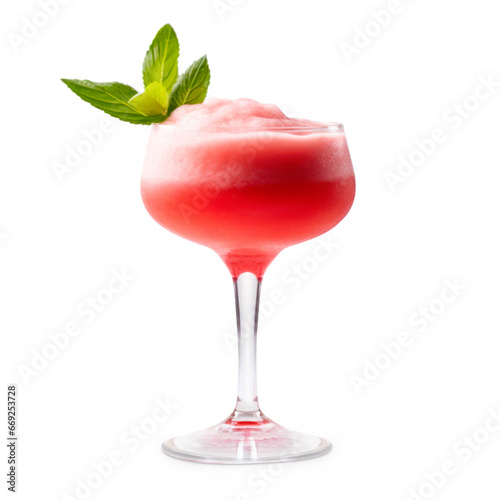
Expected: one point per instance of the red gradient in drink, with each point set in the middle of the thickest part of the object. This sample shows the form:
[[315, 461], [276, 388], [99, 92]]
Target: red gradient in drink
[[247, 187]]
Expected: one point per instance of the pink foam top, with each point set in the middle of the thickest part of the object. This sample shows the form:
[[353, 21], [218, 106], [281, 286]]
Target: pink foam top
[[238, 113]]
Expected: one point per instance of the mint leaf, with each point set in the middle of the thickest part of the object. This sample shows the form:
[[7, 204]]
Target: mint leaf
[[192, 86], [153, 101], [160, 63], [112, 98]]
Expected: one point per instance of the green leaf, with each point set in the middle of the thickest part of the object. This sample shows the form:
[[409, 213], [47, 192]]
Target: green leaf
[[153, 101], [112, 98], [192, 86], [160, 63]]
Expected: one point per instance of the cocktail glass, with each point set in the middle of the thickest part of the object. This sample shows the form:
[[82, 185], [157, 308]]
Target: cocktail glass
[[247, 193]]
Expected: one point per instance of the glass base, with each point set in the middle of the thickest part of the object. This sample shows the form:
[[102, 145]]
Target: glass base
[[246, 438]]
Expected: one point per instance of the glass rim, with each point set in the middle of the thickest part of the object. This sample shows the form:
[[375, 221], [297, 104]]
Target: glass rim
[[323, 127]]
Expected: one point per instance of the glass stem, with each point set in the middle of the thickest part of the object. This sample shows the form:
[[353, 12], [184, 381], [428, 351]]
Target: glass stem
[[247, 295]]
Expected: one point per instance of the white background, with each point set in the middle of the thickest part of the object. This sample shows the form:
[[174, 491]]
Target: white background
[[168, 334]]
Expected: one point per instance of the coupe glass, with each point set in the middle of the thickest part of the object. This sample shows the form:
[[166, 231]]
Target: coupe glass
[[247, 193]]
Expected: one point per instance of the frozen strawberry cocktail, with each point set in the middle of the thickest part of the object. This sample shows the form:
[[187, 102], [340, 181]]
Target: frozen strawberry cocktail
[[245, 180]]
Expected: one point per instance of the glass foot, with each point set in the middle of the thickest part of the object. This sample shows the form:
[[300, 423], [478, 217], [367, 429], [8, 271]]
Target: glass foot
[[246, 438]]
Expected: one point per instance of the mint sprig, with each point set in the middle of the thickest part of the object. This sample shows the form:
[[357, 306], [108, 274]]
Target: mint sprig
[[164, 90]]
